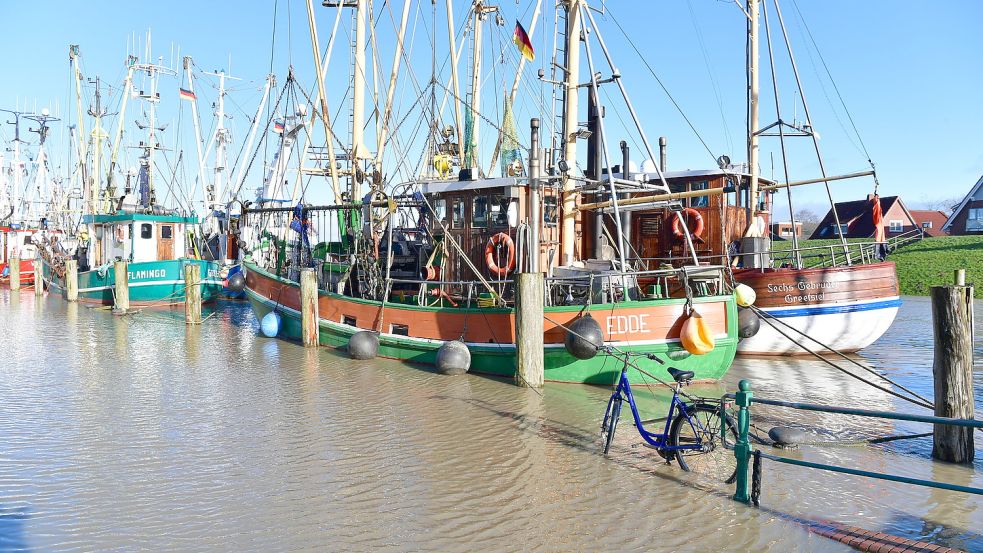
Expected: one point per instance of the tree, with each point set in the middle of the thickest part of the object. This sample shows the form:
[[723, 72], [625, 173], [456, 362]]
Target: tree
[[806, 216]]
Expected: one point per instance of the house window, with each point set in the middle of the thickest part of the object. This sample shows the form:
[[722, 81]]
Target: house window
[[146, 231], [457, 215], [975, 220], [480, 212], [896, 225], [549, 211], [699, 201], [927, 224], [844, 229]]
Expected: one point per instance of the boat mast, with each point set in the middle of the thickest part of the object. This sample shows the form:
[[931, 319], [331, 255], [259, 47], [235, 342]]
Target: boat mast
[[457, 103], [118, 138], [390, 92], [222, 139], [571, 63], [87, 203], [359, 151], [97, 111], [270, 80], [753, 112], [154, 71], [197, 125]]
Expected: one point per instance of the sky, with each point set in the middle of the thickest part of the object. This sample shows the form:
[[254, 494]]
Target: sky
[[909, 73]]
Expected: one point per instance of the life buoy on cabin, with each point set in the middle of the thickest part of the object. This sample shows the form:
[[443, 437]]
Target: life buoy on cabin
[[119, 234], [691, 214], [497, 240]]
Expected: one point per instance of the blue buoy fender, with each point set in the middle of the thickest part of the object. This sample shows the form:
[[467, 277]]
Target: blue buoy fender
[[237, 282], [270, 325]]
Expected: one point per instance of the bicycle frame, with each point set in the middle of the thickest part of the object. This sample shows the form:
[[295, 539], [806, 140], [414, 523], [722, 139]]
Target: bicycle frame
[[654, 439]]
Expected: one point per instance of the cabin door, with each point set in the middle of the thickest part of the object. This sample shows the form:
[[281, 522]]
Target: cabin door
[[165, 242], [649, 239]]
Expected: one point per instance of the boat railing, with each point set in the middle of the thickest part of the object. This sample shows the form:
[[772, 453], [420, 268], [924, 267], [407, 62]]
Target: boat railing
[[839, 255]]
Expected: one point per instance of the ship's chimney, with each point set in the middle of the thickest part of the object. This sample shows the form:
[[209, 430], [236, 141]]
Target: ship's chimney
[[662, 154]]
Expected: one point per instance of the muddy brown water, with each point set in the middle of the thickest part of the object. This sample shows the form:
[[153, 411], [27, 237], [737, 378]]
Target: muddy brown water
[[142, 433]]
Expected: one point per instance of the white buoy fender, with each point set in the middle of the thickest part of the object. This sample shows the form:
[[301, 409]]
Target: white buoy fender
[[363, 345], [453, 358], [270, 324], [744, 295]]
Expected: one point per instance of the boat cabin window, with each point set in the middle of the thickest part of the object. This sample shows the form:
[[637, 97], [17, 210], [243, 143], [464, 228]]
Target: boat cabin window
[[28, 240], [348, 320], [549, 211], [699, 201], [480, 212], [500, 211], [440, 210], [166, 232], [146, 231], [399, 330], [457, 214]]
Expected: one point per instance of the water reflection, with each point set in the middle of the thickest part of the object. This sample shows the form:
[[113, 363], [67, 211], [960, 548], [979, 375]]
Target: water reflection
[[143, 432]]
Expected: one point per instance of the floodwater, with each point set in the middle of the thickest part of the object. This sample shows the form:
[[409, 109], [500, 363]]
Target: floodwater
[[125, 433]]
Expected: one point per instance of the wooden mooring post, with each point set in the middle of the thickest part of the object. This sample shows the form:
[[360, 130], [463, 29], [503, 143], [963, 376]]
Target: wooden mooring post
[[529, 290], [309, 331], [14, 270], [952, 318], [192, 294], [71, 280], [38, 278], [121, 291]]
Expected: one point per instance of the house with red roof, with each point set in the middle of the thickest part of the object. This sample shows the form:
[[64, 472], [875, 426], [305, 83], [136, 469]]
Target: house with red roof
[[857, 219], [930, 221]]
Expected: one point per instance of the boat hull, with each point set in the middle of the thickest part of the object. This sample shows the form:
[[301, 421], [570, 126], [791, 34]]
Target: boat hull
[[489, 333], [26, 271], [150, 282], [843, 308]]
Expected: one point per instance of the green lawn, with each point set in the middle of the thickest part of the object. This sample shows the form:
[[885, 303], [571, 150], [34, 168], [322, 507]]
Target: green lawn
[[923, 264], [931, 262]]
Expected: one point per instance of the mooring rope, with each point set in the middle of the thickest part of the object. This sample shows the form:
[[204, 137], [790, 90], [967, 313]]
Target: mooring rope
[[756, 477]]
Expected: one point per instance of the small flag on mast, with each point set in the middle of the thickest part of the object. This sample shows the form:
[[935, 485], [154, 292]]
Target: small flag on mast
[[187, 94], [278, 127], [521, 40]]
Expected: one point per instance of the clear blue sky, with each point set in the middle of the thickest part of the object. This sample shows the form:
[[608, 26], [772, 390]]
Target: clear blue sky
[[910, 73]]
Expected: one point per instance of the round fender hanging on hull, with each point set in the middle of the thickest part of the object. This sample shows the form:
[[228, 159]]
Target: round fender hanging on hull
[[744, 295], [237, 282], [748, 322], [363, 345], [453, 358], [786, 437], [270, 324], [584, 338]]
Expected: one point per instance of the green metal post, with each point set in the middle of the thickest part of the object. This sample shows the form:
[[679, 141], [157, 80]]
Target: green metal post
[[743, 447]]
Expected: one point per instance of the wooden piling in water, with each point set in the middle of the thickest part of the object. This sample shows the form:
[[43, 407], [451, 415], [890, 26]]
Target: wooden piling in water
[[14, 270], [309, 330], [38, 278], [192, 294], [71, 280], [952, 317], [122, 287], [529, 330]]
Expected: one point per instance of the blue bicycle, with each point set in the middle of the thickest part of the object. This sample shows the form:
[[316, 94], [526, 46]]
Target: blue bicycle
[[697, 432]]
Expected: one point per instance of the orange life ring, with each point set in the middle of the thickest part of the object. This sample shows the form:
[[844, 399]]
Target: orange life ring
[[690, 214], [500, 239]]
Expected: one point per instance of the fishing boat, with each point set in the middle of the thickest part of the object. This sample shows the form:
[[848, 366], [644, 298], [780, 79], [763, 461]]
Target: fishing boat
[[422, 269], [155, 242], [835, 297]]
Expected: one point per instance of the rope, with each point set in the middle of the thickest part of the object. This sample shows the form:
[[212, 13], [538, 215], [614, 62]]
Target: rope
[[756, 477]]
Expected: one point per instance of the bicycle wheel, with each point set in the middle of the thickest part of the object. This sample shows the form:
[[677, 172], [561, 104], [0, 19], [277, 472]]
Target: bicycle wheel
[[611, 422], [711, 459]]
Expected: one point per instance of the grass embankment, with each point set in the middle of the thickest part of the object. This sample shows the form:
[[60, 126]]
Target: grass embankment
[[929, 262]]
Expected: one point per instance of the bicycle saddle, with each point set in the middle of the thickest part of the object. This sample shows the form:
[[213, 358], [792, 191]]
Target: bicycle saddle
[[680, 376]]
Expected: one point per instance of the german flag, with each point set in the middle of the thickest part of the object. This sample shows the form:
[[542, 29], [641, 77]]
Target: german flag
[[187, 94], [521, 40]]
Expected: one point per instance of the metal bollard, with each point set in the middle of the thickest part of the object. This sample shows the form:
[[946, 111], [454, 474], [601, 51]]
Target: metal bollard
[[742, 450]]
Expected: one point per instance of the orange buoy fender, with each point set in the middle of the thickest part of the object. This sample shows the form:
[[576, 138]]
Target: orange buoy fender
[[504, 240], [691, 214], [696, 335]]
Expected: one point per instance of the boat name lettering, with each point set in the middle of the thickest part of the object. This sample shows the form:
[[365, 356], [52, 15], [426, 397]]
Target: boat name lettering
[[802, 286], [627, 324], [149, 273], [789, 298]]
